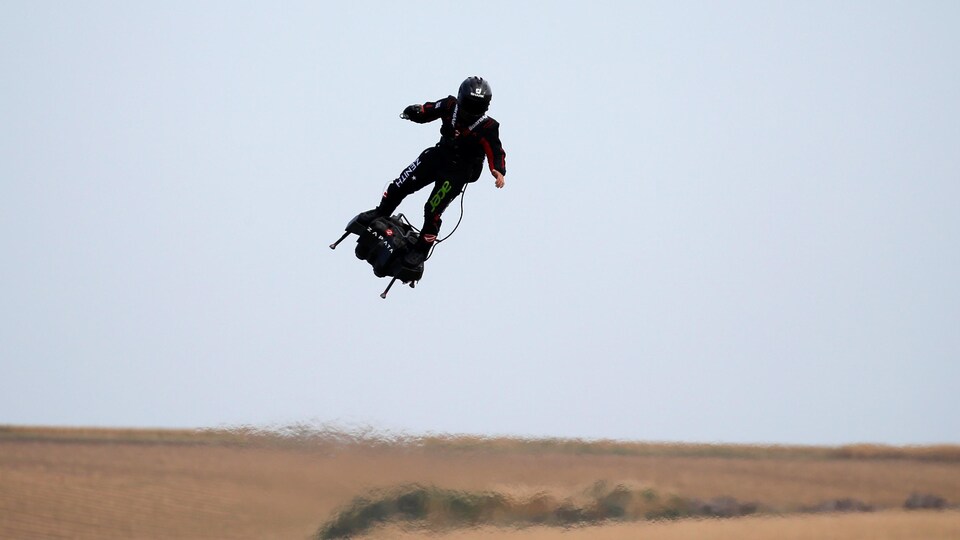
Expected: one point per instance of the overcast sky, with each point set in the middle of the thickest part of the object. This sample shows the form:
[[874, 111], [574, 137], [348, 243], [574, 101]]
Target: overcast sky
[[723, 221]]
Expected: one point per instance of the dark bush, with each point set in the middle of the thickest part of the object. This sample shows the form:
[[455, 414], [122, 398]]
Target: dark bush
[[924, 501]]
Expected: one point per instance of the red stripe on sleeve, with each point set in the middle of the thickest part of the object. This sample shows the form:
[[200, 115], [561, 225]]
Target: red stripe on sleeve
[[489, 151]]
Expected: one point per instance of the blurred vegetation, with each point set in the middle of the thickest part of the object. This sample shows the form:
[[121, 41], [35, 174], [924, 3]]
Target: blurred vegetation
[[431, 509], [435, 509]]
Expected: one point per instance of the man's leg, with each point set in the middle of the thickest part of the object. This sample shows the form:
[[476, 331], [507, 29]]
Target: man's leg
[[443, 193], [416, 176]]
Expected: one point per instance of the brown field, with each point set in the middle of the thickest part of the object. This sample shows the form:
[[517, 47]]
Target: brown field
[[71, 483], [887, 525]]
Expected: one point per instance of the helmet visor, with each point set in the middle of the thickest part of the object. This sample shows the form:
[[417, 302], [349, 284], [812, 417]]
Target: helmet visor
[[474, 106]]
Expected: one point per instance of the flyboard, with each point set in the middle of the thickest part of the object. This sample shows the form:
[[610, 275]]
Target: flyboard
[[383, 242]]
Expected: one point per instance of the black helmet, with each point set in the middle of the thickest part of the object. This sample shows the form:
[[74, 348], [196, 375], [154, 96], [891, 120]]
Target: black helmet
[[474, 96]]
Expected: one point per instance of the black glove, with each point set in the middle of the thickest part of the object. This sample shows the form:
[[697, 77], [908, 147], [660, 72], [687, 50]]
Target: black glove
[[411, 110]]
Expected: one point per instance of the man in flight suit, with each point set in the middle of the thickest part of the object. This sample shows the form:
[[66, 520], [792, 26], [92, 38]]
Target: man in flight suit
[[467, 137]]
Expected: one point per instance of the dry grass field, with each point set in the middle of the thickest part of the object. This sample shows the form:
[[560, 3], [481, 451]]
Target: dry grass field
[[888, 525], [72, 483]]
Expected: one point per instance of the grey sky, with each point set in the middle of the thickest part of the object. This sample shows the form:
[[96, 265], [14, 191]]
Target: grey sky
[[723, 221]]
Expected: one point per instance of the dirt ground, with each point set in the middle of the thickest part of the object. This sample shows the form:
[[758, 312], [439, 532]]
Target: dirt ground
[[61, 483]]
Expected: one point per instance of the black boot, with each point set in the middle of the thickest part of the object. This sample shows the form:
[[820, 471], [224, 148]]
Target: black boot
[[416, 254], [365, 218]]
